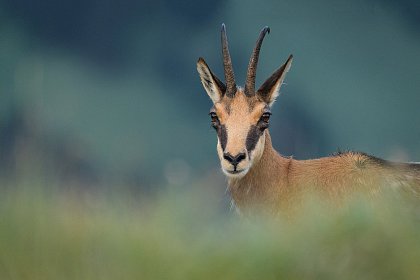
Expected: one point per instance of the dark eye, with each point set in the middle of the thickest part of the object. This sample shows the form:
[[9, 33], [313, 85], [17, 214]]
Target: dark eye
[[214, 119], [266, 117], [264, 121]]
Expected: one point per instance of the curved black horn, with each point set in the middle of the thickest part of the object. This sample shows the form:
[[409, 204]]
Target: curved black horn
[[252, 66], [227, 64]]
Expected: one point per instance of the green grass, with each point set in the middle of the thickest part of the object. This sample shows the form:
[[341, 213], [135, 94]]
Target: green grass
[[65, 235]]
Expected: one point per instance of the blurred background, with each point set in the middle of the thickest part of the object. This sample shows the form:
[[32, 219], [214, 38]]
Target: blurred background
[[106, 93]]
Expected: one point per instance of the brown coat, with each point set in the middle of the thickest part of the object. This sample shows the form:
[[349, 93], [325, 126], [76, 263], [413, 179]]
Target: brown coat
[[276, 183]]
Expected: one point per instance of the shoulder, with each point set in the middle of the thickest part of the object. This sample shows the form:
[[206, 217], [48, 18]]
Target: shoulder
[[361, 160]]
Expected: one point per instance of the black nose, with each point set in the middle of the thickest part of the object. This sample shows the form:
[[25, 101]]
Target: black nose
[[234, 160]]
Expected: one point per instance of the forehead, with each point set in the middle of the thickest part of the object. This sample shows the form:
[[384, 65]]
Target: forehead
[[240, 104]]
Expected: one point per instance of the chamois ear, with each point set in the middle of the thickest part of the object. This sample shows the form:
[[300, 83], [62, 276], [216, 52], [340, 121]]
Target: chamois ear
[[213, 86], [270, 89]]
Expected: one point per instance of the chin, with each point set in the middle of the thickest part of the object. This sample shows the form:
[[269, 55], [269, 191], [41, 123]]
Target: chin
[[235, 174]]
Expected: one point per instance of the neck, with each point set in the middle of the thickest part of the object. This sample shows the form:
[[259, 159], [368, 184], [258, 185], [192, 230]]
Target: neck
[[266, 181]]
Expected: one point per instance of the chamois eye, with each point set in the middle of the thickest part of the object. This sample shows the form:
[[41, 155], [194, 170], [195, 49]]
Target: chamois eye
[[264, 121], [266, 117], [214, 119]]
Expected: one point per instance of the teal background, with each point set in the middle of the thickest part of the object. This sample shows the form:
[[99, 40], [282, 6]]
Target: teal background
[[96, 93]]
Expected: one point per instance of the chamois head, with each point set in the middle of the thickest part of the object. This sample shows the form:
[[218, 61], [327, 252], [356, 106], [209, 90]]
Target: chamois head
[[240, 116]]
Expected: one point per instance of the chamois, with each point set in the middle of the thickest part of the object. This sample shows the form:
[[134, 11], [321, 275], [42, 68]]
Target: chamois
[[257, 174]]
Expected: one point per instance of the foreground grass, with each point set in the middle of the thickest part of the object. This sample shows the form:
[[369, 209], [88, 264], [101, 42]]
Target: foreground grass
[[67, 236]]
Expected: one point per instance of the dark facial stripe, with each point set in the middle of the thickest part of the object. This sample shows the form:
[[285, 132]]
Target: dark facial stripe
[[222, 134], [252, 138]]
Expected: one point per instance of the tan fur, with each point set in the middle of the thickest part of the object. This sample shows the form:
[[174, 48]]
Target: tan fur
[[238, 114], [268, 181], [276, 183]]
